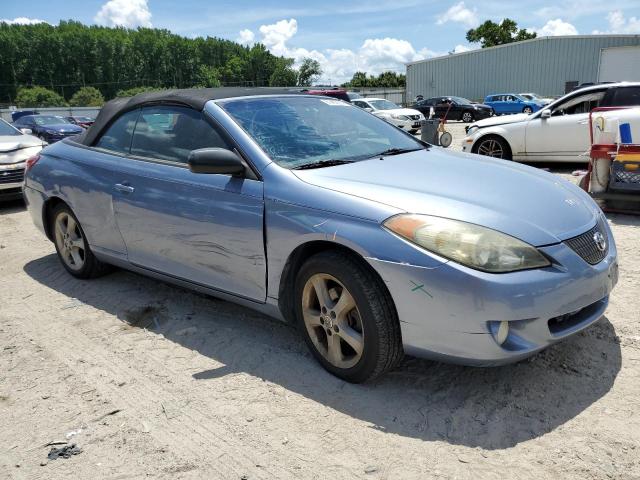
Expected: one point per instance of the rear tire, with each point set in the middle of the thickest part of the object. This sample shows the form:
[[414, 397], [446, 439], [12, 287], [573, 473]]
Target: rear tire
[[467, 117], [347, 317], [527, 110], [72, 247]]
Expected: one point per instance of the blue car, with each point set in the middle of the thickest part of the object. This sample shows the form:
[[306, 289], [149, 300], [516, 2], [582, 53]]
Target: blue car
[[317, 212], [507, 103], [49, 128]]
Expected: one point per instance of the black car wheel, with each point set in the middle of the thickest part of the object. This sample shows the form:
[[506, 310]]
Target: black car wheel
[[527, 110], [467, 117]]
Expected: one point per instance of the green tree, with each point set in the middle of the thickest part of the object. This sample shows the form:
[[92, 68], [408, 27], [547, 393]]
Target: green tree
[[131, 92], [39, 97], [308, 72], [87, 97], [209, 77], [283, 76], [491, 34], [384, 80]]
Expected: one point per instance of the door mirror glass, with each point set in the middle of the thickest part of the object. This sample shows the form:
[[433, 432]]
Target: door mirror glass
[[215, 160], [26, 131]]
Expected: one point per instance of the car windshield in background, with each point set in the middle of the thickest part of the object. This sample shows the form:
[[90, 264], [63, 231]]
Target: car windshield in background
[[303, 131], [383, 104], [6, 129], [49, 120], [461, 101]]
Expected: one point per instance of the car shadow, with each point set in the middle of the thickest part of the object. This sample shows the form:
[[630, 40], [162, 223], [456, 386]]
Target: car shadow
[[12, 206], [492, 408]]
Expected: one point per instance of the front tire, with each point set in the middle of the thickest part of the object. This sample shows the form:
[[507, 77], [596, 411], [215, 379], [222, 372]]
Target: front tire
[[72, 246], [347, 317], [467, 117], [493, 146]]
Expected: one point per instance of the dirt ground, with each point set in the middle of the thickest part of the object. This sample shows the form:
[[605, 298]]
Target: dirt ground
[[149, 380]]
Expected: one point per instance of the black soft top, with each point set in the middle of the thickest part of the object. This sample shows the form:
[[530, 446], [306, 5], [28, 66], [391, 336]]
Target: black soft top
[[190, 97]]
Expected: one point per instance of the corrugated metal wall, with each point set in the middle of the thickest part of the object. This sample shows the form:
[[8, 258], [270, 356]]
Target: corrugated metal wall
[[542, 65]]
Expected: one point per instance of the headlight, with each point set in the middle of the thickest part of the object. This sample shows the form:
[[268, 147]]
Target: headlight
[[399, 117], [471, 245]]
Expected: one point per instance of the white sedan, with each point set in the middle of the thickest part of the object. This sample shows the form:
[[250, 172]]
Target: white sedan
[[405, 118], [558, 132]]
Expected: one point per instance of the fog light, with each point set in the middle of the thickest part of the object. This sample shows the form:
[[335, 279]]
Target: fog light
[[503, 332]]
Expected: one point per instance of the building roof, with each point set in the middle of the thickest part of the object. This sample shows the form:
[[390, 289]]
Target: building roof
[[515, 44], [191, 97]]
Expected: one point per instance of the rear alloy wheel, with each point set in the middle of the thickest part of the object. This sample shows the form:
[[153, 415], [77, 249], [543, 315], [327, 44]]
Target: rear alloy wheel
[[347, 317], [493, 147], [467, 117], [527, 110], [72, 247]]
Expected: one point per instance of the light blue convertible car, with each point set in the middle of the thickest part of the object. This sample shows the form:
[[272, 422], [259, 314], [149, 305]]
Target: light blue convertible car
[[314, 211]]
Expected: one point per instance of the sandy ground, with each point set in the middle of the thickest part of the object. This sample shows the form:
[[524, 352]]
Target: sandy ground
[[153, 381]]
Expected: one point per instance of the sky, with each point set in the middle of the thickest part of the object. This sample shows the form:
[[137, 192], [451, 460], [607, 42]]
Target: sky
[[344, 36]]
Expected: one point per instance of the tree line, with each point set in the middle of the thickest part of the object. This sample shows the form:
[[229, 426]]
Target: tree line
[[66, 58]]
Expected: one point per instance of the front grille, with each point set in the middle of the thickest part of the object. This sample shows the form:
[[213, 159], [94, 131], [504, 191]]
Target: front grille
[[11, 176], [586, 246]]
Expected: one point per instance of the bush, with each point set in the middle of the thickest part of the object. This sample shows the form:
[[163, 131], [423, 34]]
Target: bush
[[87, 97], [130, 92], [39, 97]]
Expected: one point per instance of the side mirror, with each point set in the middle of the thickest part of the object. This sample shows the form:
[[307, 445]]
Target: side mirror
[[546, 113], [215, 160], [26, 131], [368, 109]]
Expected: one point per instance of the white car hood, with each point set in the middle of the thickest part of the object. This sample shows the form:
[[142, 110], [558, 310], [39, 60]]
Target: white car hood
[[502, 120], [398, 111]]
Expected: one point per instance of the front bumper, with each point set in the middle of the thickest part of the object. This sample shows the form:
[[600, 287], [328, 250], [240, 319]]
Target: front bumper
[[405, 124], [449, 312], [11, 178]]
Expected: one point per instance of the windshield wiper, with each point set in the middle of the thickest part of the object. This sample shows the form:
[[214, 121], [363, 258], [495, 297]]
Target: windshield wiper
[[395, 151], [321, 164]]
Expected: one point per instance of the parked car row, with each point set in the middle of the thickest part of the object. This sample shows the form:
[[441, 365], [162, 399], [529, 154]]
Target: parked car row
[[557, 132]]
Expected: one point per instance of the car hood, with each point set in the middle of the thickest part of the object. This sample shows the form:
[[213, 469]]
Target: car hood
[[399, 111], [13, 148], [62, 127], [503, 120], [532, 205]]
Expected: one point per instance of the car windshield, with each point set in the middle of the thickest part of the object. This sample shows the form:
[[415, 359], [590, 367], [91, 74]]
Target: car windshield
[[461, 101], [382, 104], [49, 120], [6, 129], [304, 131]]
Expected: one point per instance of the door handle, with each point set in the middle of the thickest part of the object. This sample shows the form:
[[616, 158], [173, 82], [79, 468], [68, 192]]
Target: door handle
[[124, 188]]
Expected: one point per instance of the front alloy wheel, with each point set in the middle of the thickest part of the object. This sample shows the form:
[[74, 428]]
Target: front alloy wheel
[[467, 117], [347, 316], [493, 147], [332, 320]]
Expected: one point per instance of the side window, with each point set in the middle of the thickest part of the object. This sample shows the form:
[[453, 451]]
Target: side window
[[117, 138], [626, 96], [171, 133], [360, 104], [580, 103]]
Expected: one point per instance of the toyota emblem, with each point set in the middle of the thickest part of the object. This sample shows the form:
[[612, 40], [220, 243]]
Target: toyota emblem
[[600, 241]]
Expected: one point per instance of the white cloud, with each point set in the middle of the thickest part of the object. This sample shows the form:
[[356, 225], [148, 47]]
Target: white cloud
[[124, 13], [374, 56], [461, 14], [246, 37], [22, 21], [462, 49], [556, 27], [619, 24]]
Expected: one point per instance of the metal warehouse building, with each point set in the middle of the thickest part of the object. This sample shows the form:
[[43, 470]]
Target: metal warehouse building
[[547, 65]]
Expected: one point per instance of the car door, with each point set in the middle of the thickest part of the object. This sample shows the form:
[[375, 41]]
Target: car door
[[565, 135], [498, 104], [204, 228]]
